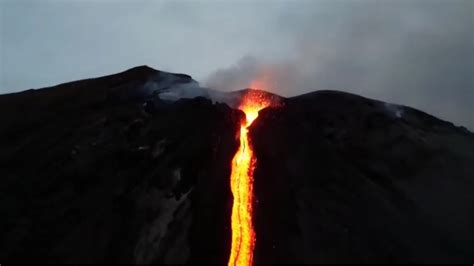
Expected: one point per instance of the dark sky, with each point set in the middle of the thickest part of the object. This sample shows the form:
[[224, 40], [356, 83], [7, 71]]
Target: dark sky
[[416, 53]]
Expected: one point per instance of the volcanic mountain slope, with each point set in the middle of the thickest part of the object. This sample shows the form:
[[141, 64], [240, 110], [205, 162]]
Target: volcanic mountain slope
[[342, 178], [108, 170], [89, 173]]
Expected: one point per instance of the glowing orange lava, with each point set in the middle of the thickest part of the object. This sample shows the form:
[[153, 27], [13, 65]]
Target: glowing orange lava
[[243, 164]]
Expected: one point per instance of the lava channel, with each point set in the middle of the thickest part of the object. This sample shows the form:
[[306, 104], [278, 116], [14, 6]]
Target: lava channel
[[241, 180]]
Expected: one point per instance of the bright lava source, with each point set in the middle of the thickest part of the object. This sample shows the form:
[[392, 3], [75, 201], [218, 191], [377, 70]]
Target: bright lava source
[[243, 164]]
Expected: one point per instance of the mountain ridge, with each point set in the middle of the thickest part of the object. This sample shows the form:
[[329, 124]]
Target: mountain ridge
[[109, 171]]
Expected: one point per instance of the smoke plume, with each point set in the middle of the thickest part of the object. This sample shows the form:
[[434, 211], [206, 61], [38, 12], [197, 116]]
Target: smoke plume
[[416, 53]]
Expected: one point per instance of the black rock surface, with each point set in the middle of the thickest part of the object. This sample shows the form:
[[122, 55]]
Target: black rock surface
[[89, 176], [104, 170], [345, 179]]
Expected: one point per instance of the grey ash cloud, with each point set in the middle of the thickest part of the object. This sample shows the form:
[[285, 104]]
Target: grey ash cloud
[[417, 53]]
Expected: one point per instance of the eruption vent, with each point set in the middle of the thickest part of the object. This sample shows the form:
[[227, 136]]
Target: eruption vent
[[243, 164]]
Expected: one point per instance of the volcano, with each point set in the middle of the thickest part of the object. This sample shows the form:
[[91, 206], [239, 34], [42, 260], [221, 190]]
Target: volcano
[[136, 167]]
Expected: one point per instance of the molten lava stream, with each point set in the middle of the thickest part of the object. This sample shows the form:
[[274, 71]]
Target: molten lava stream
[[243, 164]]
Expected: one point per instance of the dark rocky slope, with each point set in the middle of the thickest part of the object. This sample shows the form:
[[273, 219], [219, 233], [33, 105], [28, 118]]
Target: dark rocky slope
[[103, 170], [91, 174], [342, 178]]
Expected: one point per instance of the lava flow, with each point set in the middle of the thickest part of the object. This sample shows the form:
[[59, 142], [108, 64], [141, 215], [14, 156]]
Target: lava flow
[[243, 164]]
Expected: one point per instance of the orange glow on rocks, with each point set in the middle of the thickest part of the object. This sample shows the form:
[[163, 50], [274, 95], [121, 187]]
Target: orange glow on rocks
[[243, 164]]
